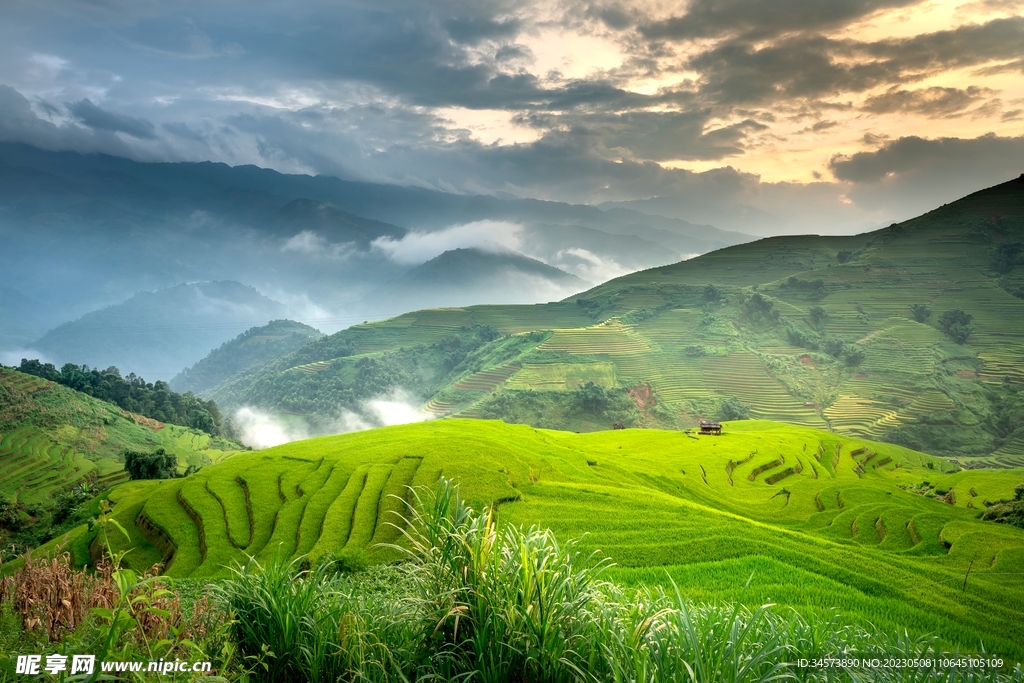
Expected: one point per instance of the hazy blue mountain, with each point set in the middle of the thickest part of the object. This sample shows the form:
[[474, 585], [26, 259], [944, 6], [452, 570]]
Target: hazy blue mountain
[[21, 319], [156, 334], [462, 277], [252, 349], [85, 231]]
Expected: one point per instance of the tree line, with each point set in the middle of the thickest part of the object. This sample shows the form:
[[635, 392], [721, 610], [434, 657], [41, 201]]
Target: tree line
[[134, 394]]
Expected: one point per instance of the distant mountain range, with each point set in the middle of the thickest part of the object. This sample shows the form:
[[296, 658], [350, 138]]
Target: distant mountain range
[[81, 232], [462, 277], [156, 334]]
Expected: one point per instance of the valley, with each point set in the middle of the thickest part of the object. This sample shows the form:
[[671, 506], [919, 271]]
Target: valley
[[815, 331]]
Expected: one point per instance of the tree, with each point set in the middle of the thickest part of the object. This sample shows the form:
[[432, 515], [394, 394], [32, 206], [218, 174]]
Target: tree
[[854, 355], [834, 347], [712, 294], [202, 420], [921, 312], [818, 315], [1008, 255], [591, 398], [957, 324], [156, 465], [733, 409], [844, 256]]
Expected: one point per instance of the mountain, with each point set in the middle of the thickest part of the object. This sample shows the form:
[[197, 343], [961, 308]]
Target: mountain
[[21, 318], [337, 227], [461, 277], [86, 231], [156, 334], [912, 334], [251, 349]]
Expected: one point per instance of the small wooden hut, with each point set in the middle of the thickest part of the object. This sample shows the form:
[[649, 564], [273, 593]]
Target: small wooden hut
[[710, 428]]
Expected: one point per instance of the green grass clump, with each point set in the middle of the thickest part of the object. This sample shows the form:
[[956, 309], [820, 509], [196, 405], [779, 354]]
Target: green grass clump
[[482, 601]]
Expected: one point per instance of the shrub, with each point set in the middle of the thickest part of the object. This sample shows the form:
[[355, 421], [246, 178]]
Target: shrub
[[957, 324], [156, 465], [694, 350], [591, 398], [921, 312], [818, 315], [834, 347], [733, 409], [854, 355], [1008, 255], [843, 256], [798, 337]]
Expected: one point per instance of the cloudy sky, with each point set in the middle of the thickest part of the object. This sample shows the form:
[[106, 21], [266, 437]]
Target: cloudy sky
[[834, 115]]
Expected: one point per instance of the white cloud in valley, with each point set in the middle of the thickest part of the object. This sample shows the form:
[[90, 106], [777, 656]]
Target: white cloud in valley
[[262, 429], [418, 247]]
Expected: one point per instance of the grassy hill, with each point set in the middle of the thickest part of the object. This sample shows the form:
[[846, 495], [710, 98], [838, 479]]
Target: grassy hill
[[53, 438], [817, 331], [765, 513], [251, 349]]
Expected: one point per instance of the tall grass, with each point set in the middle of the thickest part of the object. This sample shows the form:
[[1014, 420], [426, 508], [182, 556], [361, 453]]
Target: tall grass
[[482, 602]]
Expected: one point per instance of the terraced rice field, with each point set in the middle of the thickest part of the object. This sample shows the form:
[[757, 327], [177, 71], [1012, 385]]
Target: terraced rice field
[[764, 513], [487, 380], [28, 384], [265, 506], [55, 438], [438, 407], [313, 368], [33, 467], [612, 337], [562, 376], [859, 417]]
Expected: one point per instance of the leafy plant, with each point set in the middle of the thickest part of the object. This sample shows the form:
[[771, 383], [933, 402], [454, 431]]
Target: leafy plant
[[957, 324], [921, 312], [733, 409]]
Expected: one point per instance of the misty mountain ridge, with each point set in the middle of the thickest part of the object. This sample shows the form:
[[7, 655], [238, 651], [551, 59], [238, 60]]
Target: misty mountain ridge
[[156, 334], [251, 349], [307, 241], [462, 277]]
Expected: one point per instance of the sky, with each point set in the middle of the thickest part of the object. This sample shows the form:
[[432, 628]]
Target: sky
[[825, 116]]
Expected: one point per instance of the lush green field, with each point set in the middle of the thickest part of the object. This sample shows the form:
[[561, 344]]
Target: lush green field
[[816, 331], [767, 512], [53, 438]]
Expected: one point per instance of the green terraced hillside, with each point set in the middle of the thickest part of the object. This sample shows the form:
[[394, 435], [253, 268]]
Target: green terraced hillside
[[53, 438], [815, 331], [767, 512]]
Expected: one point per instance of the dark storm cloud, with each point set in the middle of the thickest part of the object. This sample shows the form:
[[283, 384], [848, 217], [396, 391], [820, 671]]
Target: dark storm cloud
[[933, 102], [757, 20], [100, 119], [183, 131], [474, 30], [814, 66], [19, 123], [363, 90], [919, 156]]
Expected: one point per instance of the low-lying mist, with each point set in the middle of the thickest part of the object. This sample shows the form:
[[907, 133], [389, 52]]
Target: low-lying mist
[[260, 429]]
